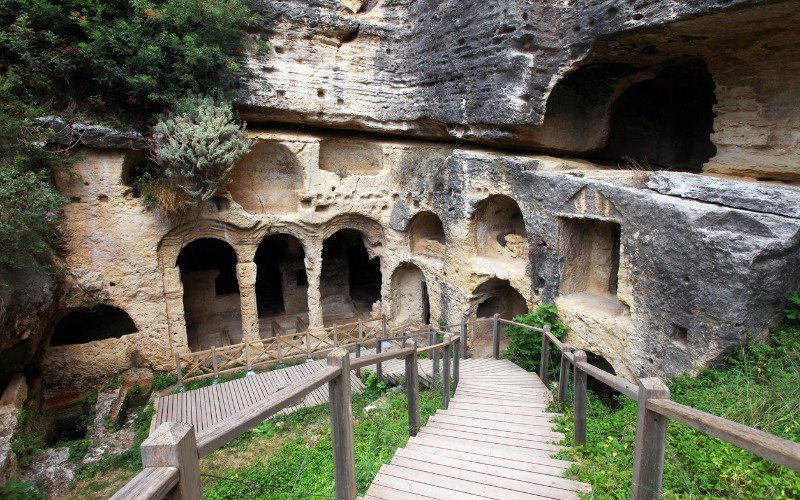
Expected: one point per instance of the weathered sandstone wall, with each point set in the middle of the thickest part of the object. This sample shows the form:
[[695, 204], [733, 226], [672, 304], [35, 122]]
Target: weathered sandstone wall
[[691, 280]]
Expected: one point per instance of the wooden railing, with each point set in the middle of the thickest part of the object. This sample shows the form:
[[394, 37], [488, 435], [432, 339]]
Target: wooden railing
[[171, 454], [654, 411], [282, 348]]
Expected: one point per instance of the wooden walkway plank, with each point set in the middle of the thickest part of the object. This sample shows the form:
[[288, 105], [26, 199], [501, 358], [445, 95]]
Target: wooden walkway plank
[[494, 441], [438, 460]]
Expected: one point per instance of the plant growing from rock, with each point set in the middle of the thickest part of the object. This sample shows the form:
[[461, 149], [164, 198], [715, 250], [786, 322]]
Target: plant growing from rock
[[195, 148]]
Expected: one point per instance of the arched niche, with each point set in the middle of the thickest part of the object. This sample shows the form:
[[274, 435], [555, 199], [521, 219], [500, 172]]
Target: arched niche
[[665, 121], [497, 296], [426, 235], [267, 179], [350, 281], [281, 282], [494, 296], [92, 324], [211, 304], [500, 231], [410, 301]]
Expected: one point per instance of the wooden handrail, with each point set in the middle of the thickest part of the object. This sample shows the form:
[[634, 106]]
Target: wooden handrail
[[778, 450], [432, 347], [379, 358], [153, 483], [171, 453], [217, 435], [550, 336], [617, 383]]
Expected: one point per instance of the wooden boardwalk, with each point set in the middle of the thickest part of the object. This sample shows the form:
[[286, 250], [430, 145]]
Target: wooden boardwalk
[[495, 441], [207, 406]]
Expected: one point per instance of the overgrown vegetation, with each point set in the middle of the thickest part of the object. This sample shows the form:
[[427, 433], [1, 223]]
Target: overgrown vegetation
[[304, 464], [758, 386], [29, 204], [195, 149], [22, 490], [525, 348], [121, 55], [106, 60]]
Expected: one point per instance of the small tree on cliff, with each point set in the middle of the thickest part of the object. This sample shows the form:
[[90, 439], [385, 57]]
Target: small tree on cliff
[[195, 148]]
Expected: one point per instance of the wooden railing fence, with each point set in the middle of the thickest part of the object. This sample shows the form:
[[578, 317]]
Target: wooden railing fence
[[171, 454], [281, 348], [655, 409]]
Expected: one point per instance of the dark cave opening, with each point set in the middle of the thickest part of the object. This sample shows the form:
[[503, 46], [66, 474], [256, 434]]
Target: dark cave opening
[[665, 121], [91, 324], [281, 275]]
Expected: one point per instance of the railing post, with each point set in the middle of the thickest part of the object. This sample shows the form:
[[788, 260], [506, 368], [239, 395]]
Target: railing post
[[280, 349], [456, 362], [250, 371], [178, 371], [651, 441], [563, 376], [344, 464], [433, 339], [412, 387], [446, 373], [544, 362], [358, 355], [379, 366], [464, 338], [214, 364], [579, 399], [308, 345], [335, 336], [173, 444], [496, 336]]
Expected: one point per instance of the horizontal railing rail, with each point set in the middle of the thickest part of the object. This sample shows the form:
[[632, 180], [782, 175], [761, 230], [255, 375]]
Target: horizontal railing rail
[[654, 410], [171, 454], [282, 348]]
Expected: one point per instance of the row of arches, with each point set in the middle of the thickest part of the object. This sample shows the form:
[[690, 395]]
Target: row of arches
[[350, 283]]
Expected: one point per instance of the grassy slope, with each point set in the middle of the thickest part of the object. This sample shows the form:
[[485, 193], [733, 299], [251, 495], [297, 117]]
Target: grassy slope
[[758, 386]]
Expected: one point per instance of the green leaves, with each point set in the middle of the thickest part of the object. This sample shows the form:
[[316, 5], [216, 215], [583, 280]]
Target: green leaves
[[196, 149], [793, 306], [526, 345]]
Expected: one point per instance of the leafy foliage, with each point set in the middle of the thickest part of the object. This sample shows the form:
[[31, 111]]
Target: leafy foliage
[[21, 490], [162, 380], [196, 148], [758, 386], [140, 53], [526, 346], [305, 466], [29, 204], [793, 306]]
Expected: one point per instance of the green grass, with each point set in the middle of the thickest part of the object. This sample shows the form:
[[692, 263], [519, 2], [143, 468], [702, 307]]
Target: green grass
[[304, 464], [758, 386]]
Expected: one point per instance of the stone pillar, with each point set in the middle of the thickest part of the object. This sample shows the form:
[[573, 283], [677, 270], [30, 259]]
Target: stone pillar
[[176, 320], [313, 264], [246, 274]]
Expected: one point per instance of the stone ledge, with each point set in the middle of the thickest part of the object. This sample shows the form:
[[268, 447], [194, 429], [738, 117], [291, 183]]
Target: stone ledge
[[753, 196]]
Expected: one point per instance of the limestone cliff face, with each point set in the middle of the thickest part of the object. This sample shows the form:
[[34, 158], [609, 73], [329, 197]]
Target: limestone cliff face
[[491, 71], [658, 280]]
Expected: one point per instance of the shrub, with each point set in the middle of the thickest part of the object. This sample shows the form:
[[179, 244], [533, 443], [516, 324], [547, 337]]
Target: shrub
[[29, 205], [526, 346], [793, 306], [196, 148], [162, 380], [21, 490]]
